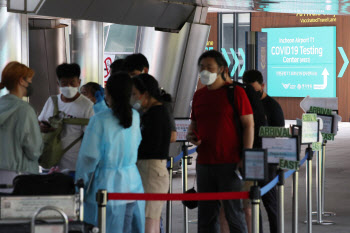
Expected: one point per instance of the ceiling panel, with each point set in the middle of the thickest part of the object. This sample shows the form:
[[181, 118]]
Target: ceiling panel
[[338, 7]]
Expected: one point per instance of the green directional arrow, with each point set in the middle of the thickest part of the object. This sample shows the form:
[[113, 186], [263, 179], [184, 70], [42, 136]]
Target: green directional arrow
[[226, 56], [236, 62], [346, 62], [243, 58]]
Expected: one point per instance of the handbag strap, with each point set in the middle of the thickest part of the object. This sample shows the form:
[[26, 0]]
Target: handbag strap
[[72, 144], [55, 104]]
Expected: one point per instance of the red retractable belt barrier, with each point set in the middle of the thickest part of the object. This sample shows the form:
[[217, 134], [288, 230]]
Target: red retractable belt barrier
[[178, 196]]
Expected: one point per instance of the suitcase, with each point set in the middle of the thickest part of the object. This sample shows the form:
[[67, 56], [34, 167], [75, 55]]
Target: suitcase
[[24, 227], [51, 184]]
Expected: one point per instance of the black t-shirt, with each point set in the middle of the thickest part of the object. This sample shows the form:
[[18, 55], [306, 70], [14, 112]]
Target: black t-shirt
[[170, 114], [156, 131], [273, 112]]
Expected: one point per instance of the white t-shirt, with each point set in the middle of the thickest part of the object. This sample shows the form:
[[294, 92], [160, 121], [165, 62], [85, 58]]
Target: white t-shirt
[[82, 107]]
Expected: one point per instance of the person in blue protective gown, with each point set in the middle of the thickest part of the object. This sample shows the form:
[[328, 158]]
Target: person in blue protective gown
[[107, 159]]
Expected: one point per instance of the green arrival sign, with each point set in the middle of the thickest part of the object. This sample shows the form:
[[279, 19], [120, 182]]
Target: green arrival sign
[[274, 132], [320, 111], [309, 117]]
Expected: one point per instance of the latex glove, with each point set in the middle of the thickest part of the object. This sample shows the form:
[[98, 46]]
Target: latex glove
[[100, 95]]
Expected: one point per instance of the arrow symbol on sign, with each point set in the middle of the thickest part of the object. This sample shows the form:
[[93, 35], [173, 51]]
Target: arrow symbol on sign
[[346, 62], [226, 57], [236, 61], [235, 58], [324, 85], [243, 58], [330, 103]]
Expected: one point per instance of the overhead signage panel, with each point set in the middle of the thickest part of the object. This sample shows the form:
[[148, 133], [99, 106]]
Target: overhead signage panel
[[301, 61]]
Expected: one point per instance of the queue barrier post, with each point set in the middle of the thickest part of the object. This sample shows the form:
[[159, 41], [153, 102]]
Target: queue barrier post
[[255, 196], [295, 201], [280, 187], [319, 189], [169, 203], [185, 183], [101, 198], [309, 152], [326, 214], [80, 185]]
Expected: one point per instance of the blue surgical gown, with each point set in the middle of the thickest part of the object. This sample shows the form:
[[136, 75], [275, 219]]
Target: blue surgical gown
[[107, 160]]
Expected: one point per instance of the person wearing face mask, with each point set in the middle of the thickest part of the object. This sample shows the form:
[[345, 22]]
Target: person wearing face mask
[[273, 110], [89, 90], [275, 117], [20, 139], [107, 159], [136, 64], [154, 147], [214, 130], [71, 104]]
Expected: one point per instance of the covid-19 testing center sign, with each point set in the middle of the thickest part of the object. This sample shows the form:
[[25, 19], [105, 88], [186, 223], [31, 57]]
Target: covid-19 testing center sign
[[301, 61]]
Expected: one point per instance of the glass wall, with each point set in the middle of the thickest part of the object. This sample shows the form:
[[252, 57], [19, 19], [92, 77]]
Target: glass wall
[[231, 40], [119, 42]]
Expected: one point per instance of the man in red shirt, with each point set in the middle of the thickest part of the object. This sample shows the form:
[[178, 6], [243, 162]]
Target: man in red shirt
[[213, 128]]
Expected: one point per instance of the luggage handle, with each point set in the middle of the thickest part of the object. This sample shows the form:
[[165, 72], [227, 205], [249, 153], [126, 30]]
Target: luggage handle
[[64, 217]]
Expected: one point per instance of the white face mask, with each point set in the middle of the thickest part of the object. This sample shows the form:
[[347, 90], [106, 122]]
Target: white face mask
[[136, 104], [207, 78], [69, 92]]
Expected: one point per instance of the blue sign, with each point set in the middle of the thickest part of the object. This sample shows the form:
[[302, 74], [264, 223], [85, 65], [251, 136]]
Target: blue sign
[[301, 61]]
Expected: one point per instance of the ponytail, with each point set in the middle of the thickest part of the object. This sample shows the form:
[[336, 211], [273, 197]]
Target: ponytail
[[165, 97], [119, 88], [124, 113]]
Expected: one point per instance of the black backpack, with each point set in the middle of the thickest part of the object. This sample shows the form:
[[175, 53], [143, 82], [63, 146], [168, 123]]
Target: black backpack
[[258, 111]]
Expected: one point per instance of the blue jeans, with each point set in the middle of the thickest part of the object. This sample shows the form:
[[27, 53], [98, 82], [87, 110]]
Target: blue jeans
[[129, 211], [219, 178]]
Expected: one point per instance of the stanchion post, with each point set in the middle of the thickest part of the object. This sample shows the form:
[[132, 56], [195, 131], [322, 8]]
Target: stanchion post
[[255, 198], [327, 214], [80, 185], [101, 198], [169, 203], [295, 201], [280, 187], [184, 182], [309, 152], [319, 187]]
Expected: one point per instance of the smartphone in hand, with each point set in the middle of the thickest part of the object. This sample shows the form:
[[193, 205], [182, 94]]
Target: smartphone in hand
[[47, 124]]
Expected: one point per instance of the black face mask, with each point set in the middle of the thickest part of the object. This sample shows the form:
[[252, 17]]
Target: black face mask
[[29, 89], [259, 94]]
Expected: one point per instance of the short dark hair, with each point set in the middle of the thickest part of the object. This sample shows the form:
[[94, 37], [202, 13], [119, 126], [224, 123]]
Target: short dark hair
[[251, 76], [219, 59], [68, 70], [135, 61], [117, 66], [93, 87]]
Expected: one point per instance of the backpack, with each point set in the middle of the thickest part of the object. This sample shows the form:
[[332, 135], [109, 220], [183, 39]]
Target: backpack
[[257, 107], [53, 151]]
